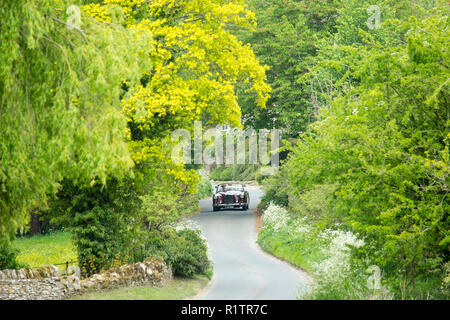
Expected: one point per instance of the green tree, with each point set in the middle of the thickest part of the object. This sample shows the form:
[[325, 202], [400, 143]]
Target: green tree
[[60, 112], [383, 144], [105, 221], [196, 65], [287, 39]]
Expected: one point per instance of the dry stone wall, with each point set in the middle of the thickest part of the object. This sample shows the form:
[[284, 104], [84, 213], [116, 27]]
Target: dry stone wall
[[152, 271], [32, 284], [48, 283]]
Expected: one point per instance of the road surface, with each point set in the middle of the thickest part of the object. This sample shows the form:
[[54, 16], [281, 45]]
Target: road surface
[[242, 271]]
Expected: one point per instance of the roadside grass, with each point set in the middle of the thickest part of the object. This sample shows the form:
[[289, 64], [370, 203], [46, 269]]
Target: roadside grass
[[177, 289], [302, 252], [39, 250], [310, 251], [425, 288]]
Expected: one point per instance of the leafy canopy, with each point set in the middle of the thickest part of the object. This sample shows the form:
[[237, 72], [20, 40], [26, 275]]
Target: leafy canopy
[[60, 113]]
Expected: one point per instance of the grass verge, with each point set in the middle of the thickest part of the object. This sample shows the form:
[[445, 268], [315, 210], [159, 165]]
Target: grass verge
[[299, 251], [311, 252], [45, 249], [177, 289]]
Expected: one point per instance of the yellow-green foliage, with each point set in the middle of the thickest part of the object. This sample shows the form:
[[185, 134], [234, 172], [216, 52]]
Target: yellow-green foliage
[[61, 97], [41, 250], [197, 63], [60, 103], [380, 150]]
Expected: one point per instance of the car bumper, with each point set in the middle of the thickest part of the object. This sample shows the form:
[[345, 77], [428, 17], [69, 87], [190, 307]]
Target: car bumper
[[229, 205]]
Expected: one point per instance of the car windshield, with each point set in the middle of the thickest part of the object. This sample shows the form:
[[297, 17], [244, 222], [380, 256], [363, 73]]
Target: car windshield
[[225, 188]]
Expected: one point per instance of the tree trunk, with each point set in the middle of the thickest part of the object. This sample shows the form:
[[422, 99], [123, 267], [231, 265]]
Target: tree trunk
[[35, 224]]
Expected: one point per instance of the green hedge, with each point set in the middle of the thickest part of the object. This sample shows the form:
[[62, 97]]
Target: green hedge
[[205, 188], [187, 253], [184, 250], [8, 256], [238, 172]]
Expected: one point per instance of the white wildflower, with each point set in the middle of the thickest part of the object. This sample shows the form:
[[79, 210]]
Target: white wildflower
[[337, 266], [186, 224], [276, 217], [301, 227]]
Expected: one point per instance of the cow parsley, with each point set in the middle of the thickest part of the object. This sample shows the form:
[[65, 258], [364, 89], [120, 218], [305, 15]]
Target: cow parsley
[[336, 267], [186, 224], [276, 217]]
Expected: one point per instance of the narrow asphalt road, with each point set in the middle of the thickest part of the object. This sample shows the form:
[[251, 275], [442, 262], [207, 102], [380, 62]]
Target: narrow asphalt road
[[242, 271]]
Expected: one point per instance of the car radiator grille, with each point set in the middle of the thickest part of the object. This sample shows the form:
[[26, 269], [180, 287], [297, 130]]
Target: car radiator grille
[[228, 199]]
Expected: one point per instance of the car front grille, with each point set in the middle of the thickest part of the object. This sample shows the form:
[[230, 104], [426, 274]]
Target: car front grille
[[228, 199]]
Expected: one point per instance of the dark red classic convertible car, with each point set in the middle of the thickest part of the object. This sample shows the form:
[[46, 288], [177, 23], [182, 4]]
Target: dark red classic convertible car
[[228, 196]]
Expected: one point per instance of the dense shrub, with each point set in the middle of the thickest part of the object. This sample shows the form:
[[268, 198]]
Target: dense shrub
[[222, 174], [102, 239], [260, 177], [114, 225], [187, 253], [245, 172], [273, 195], [239, 172], [316, 204], [180, 244], [275, 191], [205, 188], [8, 256], [102, 220]]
